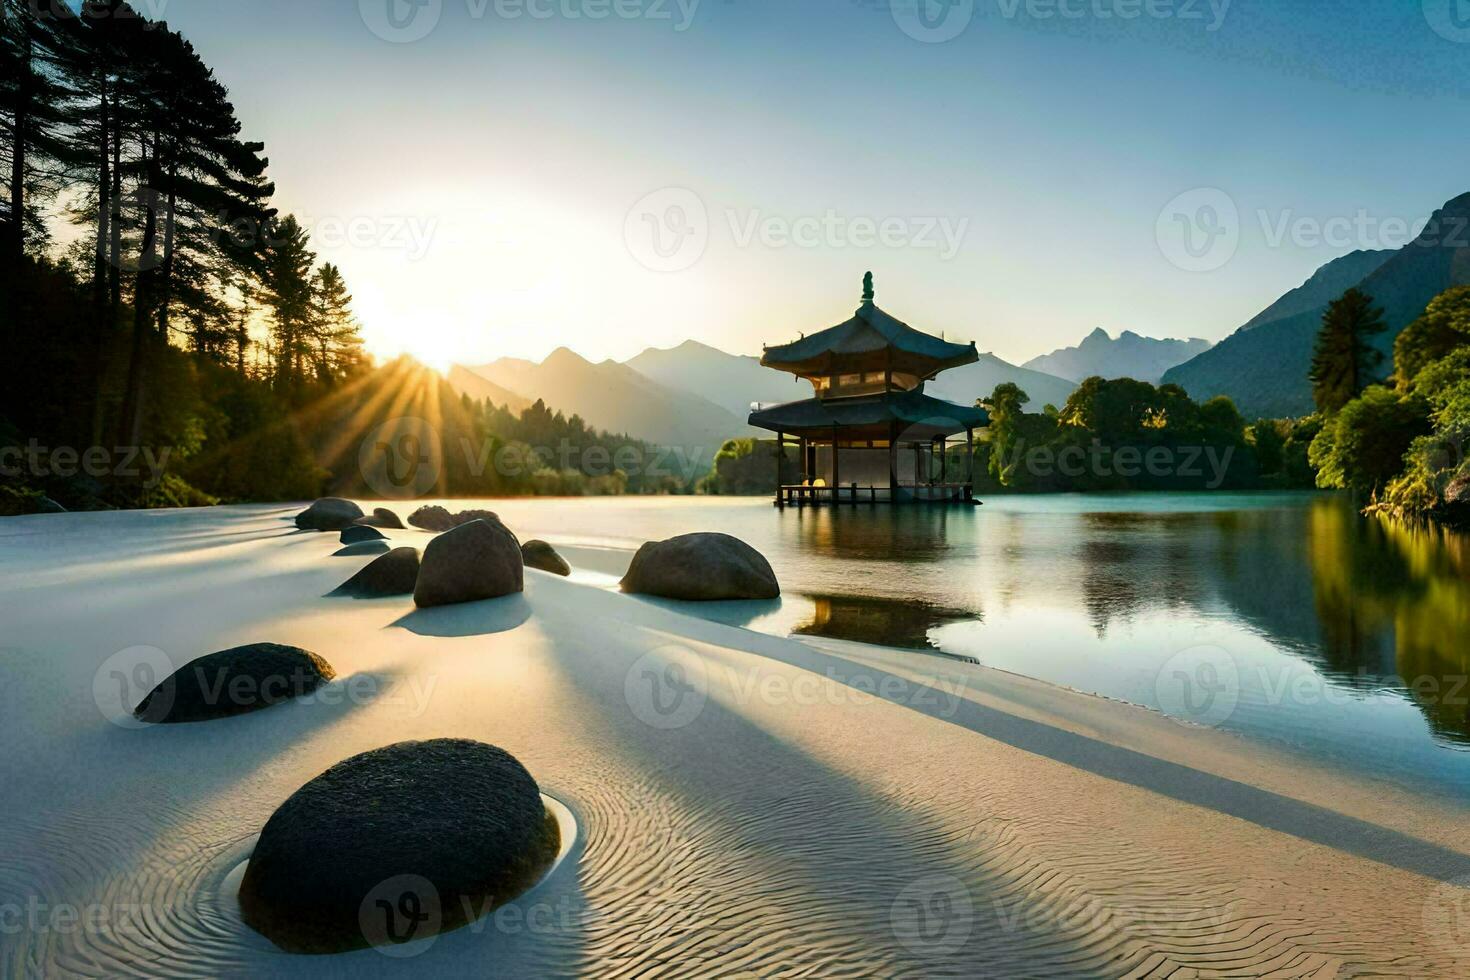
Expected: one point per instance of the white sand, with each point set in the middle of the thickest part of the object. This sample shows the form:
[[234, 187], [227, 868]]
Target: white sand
[[962, 822]]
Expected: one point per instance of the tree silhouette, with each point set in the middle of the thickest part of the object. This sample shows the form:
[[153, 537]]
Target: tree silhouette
[[1344, 361]]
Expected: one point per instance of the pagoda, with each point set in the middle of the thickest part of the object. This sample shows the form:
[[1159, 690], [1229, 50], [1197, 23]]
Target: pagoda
[[870, 434]]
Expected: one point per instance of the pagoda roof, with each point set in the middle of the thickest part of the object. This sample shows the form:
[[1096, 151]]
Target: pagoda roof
[[921, 416], [871, 341]]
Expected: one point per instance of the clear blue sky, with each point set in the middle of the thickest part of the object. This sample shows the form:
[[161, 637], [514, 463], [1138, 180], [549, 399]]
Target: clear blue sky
[[476, 184]]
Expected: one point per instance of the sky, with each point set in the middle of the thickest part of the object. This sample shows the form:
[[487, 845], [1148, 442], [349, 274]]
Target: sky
[[505, 177]]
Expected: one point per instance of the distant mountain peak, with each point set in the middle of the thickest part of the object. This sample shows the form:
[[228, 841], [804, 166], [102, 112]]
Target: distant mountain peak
[[1130, 355]]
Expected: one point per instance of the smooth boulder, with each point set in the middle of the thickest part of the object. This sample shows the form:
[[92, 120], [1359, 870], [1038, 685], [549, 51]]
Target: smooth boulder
[[704, 567], [234, 682], [478, 560], [381, 517], [358, 533], [392, 574], [436, 518], [328, 514], [539, 554], [395, 844]]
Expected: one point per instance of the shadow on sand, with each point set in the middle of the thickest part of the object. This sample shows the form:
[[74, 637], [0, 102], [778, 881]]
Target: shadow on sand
[[469, 618]]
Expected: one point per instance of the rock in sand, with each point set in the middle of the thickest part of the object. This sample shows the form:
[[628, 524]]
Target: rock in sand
[[705, 566], [381, 517], [539, 554], [436, 518], [478, 560], [234, 682], [358, 533], [400, 842], [328, 514], [388, 575]]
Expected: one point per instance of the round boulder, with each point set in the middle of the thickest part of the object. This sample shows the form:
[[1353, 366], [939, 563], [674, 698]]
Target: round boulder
[[436, 518], [234, 682], [358, 533], [381, 517], [387, 575], [539, 554], [396, 844], [478, 560], [704, 566], [328, 514]]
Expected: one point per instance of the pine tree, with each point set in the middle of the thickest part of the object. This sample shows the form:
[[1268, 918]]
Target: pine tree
[[1344, 361], [338, 344]]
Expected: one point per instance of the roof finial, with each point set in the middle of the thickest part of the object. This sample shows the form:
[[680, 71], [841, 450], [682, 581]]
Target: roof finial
[[868, 288]]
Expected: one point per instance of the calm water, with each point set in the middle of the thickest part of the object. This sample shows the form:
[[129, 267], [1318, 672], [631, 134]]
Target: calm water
[[1284, 617]]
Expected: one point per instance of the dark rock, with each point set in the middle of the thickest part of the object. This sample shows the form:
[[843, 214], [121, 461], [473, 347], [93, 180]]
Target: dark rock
[[436, 518], [234, 682], [539, 554], [362, 548], [1457, 493], [358, 533], [431, 833], [328, 514], [392, 574], [705, 566], [381, 517], [478, 560]]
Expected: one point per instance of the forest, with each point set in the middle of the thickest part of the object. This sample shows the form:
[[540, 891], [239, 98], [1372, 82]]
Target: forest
[[174, 339]]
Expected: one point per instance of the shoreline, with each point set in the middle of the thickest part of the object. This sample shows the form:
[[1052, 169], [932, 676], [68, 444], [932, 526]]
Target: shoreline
[[823, 790]]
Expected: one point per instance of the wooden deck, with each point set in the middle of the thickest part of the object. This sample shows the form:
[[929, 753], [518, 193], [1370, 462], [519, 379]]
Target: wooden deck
[[803, 495]]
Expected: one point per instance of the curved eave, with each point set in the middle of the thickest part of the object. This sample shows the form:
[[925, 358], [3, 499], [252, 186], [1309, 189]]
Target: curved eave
[[920, 416]]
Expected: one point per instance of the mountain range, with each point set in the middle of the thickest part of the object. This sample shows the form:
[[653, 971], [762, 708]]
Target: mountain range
[[696, 396], [1263, 366], [1129, 356]]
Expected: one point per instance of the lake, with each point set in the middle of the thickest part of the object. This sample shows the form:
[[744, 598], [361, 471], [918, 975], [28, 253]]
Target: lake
[[1282, 617]]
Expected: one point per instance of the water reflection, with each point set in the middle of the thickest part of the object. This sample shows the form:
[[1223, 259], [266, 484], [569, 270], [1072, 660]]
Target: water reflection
[[887, 622]]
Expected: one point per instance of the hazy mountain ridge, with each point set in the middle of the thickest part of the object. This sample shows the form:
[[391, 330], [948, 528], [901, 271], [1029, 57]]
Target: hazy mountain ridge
[[1264, 367], [615, 398], [1130, 355], [695, 395]]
